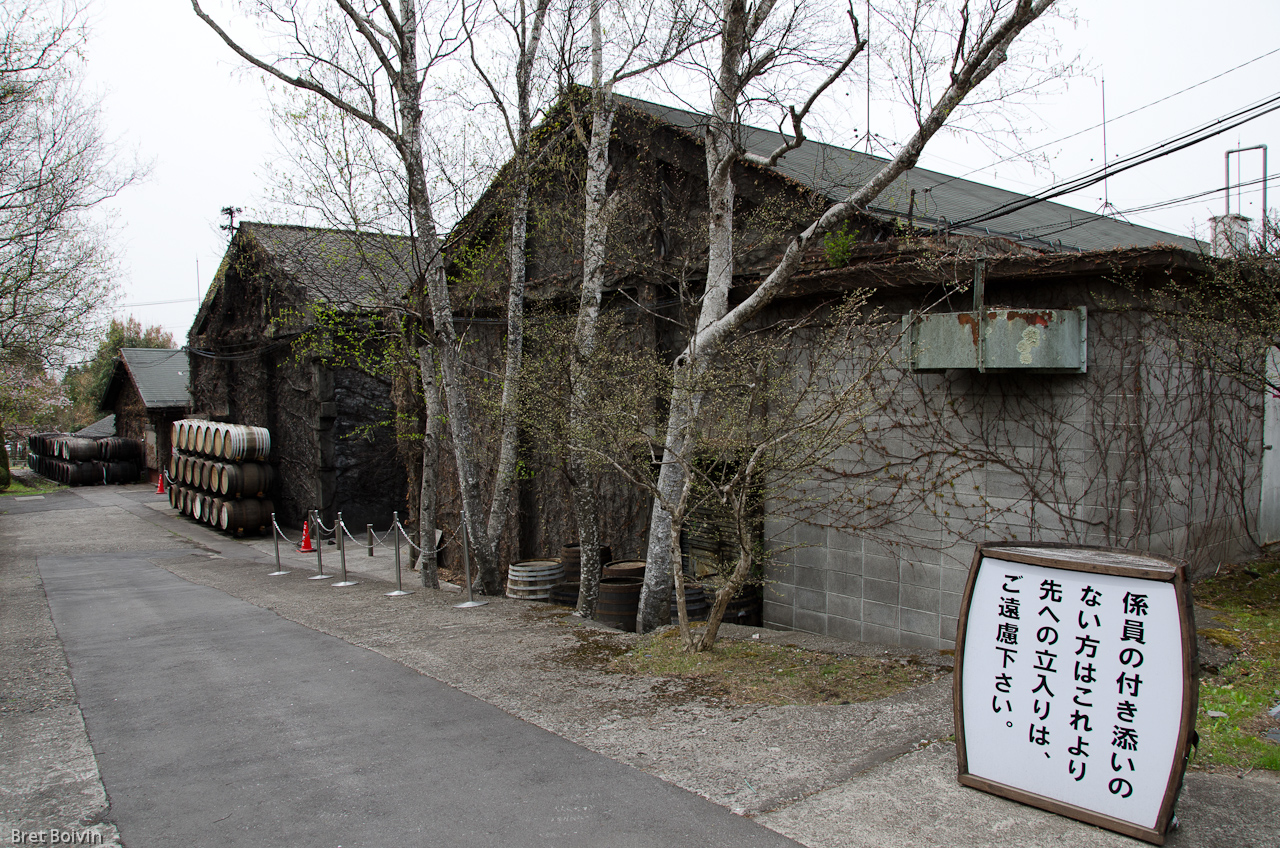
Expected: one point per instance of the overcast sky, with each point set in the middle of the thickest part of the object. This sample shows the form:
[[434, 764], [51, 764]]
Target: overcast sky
[[174, 94]]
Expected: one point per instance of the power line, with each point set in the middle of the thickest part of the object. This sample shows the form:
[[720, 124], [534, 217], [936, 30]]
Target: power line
[[1192, 137], [154, 303], [1113, 120]]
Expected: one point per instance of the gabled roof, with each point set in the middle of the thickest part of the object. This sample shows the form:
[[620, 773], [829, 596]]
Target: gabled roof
[[160, 375], [103, 428], [835, 172], [339, 267]]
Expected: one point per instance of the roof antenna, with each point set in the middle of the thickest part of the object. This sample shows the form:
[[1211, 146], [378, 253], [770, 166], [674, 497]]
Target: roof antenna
[[868, 49], [1106, 208], [231, 212]]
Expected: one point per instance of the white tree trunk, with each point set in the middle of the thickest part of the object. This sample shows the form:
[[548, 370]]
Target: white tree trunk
[[428, 553], [586, 333]]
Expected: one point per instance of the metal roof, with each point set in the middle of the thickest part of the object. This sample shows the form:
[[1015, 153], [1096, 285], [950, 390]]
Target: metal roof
[[160, 374], [836, 172]]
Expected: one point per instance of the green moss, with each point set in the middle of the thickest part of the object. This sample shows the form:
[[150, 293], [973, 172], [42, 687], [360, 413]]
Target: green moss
[[1246, 601]]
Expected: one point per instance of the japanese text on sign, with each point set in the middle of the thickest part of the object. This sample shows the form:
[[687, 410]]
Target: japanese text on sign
[[1072, 686]]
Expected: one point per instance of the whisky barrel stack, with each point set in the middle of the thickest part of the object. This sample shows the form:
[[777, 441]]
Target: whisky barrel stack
[[221, 475], [78, 461]]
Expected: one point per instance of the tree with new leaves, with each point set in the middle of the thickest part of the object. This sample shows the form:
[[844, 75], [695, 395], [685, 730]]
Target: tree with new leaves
[[752, 39], [55, 263], [86, 383]]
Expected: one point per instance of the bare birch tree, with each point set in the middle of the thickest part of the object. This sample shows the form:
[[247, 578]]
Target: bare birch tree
[[644, 38], [752, 39], [371, 61]]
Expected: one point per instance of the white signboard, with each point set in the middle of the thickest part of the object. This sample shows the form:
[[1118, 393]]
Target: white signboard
[[1071, 686]]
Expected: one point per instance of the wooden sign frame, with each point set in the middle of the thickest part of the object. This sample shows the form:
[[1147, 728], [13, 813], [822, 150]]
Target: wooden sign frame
[[1103, 561]]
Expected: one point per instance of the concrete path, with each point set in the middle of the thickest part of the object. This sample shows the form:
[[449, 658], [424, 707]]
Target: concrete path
[[218, 723]]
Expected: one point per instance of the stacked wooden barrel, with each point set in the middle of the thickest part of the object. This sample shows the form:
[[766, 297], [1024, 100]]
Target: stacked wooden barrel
[[221, 476], [79, 461]]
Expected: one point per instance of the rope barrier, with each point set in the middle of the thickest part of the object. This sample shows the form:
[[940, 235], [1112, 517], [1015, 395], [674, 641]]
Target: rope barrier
[[340, 529], [281, 532]]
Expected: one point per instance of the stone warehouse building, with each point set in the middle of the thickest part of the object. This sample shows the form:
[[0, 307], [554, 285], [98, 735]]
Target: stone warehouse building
[[331, 415], [1030, 393]]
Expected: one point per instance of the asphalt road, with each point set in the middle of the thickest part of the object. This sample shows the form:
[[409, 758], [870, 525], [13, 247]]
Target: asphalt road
[[216, 722]]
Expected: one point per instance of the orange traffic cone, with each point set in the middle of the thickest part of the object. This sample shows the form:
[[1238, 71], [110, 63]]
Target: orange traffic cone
[[160, 484], [305, 547]]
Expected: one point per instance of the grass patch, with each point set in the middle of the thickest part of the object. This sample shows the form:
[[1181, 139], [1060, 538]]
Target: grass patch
[[1246, 600], [32, 486], [756, 673]]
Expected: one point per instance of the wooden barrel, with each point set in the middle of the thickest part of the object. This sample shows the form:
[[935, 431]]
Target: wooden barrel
[[249, 515], [618, 602], [213, 515], [175, 493], [219, 436], [43, 444], [532, 580], [84, 473], [187, 438], [565, 594], [77, 449], [571, 558], [624, 568], [247, 480], [116, 448], [746, 608], [696, 603], [243, 443], [175, 462], [120, 471]]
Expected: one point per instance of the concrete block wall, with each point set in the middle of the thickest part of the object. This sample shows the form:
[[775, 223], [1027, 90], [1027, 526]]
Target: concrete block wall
[[1066, 470]]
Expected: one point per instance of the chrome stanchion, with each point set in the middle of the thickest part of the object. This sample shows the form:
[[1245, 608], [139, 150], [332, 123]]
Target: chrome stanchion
[[368, 532], [275, 537], [342, 554], [395, 528], [319, 543], [466, 566]]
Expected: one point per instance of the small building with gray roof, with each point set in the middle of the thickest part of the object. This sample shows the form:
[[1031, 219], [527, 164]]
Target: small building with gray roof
[[147, 392]]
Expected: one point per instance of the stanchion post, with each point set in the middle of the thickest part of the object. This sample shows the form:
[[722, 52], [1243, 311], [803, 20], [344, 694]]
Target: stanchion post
[[319, 543], [395, 528], [338, 531], [466, 567], [275, 537], [368, 534]]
